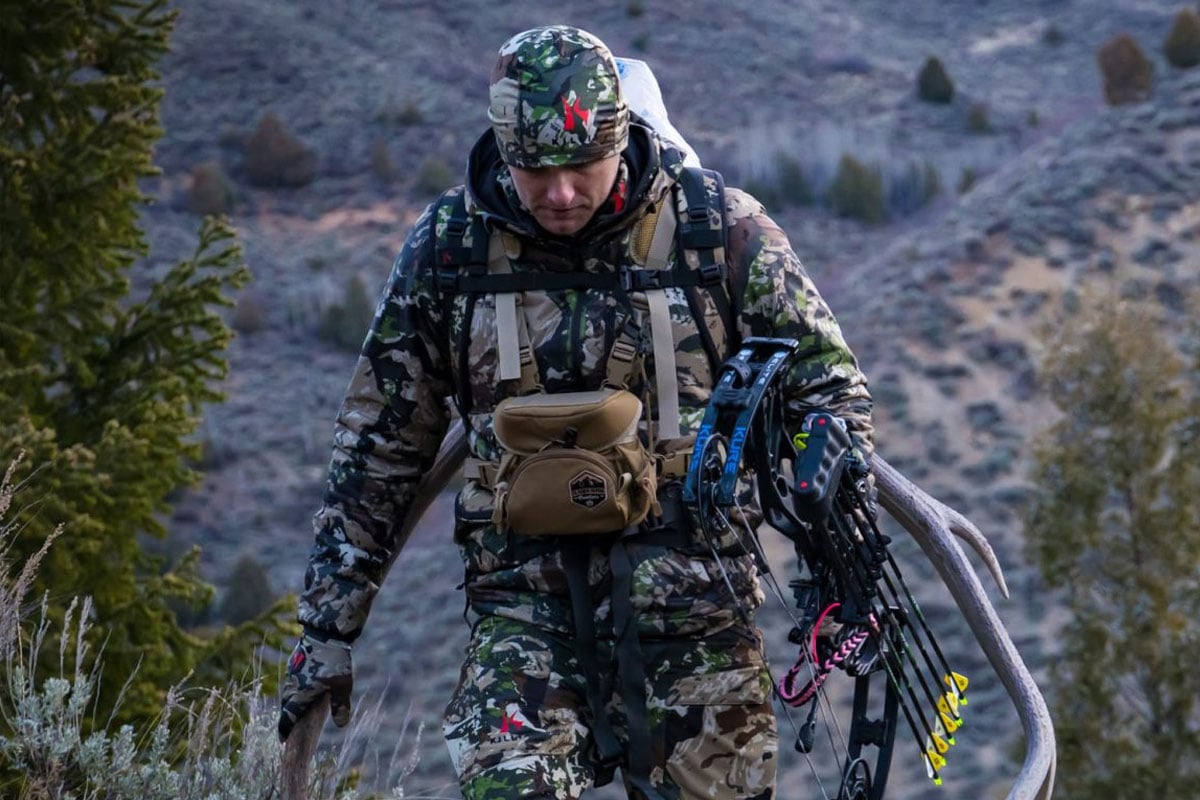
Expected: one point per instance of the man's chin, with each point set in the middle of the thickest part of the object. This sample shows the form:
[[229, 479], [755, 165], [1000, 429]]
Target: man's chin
[[562, 225]]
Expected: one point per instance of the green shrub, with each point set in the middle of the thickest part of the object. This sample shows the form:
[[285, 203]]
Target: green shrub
[[434, 176], [933, 84], [249, 316], [794, 188], [856, 191], [382, 166], [211, 191], [785, 187], [203, 743], [249, 593], [1182, 45], [967, 179], [911, 188], [274, 157], [978, 119], [345, 323], [406, 115], [1128, 74]]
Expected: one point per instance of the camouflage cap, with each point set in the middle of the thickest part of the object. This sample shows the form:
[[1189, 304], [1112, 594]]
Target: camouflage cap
[[556, 99]]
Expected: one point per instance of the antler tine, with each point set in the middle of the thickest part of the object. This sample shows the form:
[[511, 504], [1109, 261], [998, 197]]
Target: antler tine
[[933, 525], [964, 529], [302, 743]]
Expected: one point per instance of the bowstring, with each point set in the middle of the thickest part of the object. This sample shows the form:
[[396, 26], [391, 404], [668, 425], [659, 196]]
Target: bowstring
[[707, 508], [821, 698]]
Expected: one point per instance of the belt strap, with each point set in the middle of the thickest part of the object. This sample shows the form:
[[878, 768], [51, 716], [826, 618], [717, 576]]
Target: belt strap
[[575, 565], [631, 670]]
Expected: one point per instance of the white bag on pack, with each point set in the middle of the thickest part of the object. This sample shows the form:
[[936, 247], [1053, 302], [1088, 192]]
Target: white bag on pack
[[645, 99]]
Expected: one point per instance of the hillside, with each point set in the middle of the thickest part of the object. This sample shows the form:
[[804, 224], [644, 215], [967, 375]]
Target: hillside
[[943, 306]]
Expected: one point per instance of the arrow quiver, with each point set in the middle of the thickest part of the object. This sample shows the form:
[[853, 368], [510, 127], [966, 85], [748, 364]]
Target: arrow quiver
[[855, 614]]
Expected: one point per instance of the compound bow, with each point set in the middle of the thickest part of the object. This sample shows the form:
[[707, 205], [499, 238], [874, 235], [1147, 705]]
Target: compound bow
[[855, 613]]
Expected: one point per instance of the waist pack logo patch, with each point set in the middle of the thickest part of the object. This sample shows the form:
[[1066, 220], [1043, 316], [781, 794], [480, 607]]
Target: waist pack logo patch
[[588, 489], [573, 464]]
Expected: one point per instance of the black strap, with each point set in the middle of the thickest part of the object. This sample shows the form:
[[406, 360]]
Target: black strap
[[454, 280], [575, 565], [631, 670], [702, 229]]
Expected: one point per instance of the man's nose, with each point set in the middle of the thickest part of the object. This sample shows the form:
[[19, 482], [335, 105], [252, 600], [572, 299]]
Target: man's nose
[[559, 190]]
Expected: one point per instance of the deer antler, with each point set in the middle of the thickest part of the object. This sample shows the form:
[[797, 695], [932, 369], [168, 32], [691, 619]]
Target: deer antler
[[302, 743], [934, 526]]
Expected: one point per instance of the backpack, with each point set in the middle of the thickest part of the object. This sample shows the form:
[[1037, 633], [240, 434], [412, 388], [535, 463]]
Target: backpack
[[471, 260]]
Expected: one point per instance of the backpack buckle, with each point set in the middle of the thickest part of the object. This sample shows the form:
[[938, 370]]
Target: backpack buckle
[[456, 228], [697, 215], [447, 280], [641, 280], [711, 274]]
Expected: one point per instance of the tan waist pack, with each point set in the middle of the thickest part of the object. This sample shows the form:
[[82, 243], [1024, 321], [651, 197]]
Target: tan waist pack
[[573, 464]]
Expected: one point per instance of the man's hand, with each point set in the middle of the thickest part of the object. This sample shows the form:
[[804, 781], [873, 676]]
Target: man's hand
[[317, 666]]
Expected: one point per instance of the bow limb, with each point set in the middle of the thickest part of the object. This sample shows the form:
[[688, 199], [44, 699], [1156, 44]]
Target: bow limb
[[301, 744], [934, 526]]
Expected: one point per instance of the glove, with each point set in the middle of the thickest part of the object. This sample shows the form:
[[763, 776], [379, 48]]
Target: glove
[[318, 665]]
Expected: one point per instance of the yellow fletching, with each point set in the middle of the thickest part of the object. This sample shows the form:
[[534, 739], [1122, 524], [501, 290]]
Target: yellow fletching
[[948, 709], [951, 701], [956, 682], [940, 744], [934, 759], [951, 724]]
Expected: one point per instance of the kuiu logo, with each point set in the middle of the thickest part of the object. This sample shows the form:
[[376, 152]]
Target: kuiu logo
[[571, 111], [509, 722]]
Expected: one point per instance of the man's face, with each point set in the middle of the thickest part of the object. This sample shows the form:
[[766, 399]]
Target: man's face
[[563, 199]]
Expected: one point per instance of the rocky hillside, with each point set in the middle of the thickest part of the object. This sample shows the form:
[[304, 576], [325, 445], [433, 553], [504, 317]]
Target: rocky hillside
[[945, 306]]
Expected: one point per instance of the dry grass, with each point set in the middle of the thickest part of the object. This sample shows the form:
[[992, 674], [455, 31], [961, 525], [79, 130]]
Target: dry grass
[[208, 741]]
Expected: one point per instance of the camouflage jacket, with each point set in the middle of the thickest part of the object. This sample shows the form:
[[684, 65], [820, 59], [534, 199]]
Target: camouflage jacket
[[395, 411]]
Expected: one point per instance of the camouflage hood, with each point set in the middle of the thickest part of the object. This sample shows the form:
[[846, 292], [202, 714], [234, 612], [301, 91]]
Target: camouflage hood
[[649, 167]]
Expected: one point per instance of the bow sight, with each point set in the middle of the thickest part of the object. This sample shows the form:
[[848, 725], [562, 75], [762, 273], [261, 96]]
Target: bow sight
[[855, 612]]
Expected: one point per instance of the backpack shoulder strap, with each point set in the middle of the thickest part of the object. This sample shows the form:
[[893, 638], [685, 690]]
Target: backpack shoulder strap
[[694, 232], [703, 226]]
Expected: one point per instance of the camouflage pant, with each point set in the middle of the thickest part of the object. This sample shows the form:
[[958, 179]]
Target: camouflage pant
[[518, 725]]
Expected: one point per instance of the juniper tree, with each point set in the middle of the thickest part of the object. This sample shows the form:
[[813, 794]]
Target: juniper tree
[[102, 385], [856, 191], [1115, 526]]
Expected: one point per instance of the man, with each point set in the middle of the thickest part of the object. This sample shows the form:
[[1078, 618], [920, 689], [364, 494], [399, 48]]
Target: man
[[633, 648]]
